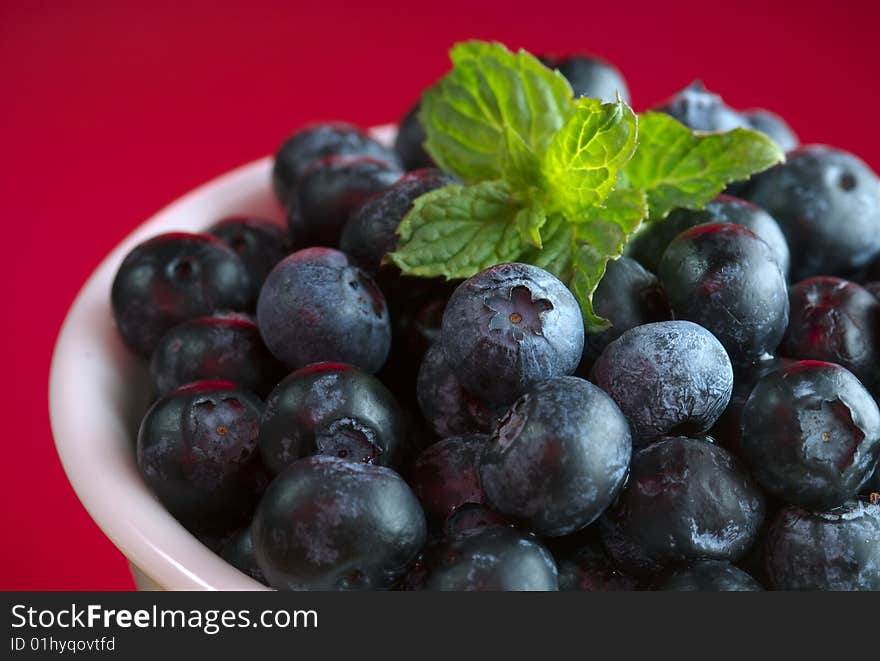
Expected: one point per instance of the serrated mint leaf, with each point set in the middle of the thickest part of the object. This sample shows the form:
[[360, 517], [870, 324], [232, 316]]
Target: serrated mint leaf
[[581, 164], [678, 167], [521, 166], [489, 91], [557, 237], [529, 222], [456, 231], [587, 268], [627, 207]]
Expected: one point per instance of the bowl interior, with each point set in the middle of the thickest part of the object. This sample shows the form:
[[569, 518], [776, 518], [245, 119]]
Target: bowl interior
[[99, 391]]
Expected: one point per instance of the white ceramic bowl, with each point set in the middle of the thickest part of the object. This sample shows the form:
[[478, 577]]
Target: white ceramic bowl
[[98, 392]]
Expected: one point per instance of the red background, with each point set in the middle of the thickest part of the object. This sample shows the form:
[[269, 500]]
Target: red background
[[109, 112]]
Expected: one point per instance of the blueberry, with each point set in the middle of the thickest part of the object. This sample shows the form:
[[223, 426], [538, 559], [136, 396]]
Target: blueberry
[[449, 409], [685, 500], [873, 288], [239, 552], [197, 451], [416, 315], [649, 244], [873, 484], [486, 559], [332, 409], [628, 296], [224, 347], [590, 76], [510, 327], [827, 203], [834, 550], [371, 231], [315, 142], [444, 476], [410, 140], [723, 277], [316, 306], [587, 568], [701, 110], [469, 516], [811, 434], [260, 244], [773, 126], [329, 190], [558, 458], [710, 576], [329, 524], [171, 278], [836, 321], [727, 430], [669, 377]]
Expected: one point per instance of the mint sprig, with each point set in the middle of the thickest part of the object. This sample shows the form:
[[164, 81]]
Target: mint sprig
[[558, 182]]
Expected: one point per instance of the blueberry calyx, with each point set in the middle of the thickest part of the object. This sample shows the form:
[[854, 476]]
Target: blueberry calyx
[[518, 313]]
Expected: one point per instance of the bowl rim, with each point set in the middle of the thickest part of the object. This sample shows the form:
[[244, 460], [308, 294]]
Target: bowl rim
[[135, 522], [151, 539]]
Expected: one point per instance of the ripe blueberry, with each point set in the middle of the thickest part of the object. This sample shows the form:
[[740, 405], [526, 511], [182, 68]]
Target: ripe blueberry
[[171, 278], [316, 306], [669, 377], [510, 327], [332, 409]]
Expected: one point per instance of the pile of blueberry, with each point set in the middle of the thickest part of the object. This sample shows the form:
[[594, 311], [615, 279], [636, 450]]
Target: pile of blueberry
[[324, 422]]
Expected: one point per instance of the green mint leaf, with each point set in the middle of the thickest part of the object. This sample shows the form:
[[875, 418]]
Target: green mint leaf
[[520, 165], [581, 164], [557, 238], [678, 167], [587, 268], [627, 207], [489, 91], [457, 231], [529, 222]]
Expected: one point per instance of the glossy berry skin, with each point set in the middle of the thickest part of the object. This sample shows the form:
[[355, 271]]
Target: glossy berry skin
[[493, 558], [260, 243], [701, 110], [224, 348], [509, 327], [473, 515], [827, 203], [833, 550], [811, 434], [316, 306], [727, 430], [239, 552], [171, 278], [836, 321], [587, 568], [445, 475], [197, 451], [590, 76], [710, 576], [669, 377], [331, 409], [627, 296], [327, 193], [558, 458], [649, 244], [449, 409], [371, 231], [410, 140], [685, 500], [723, 277], [329, 524], [773, 126], [315, 142]]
